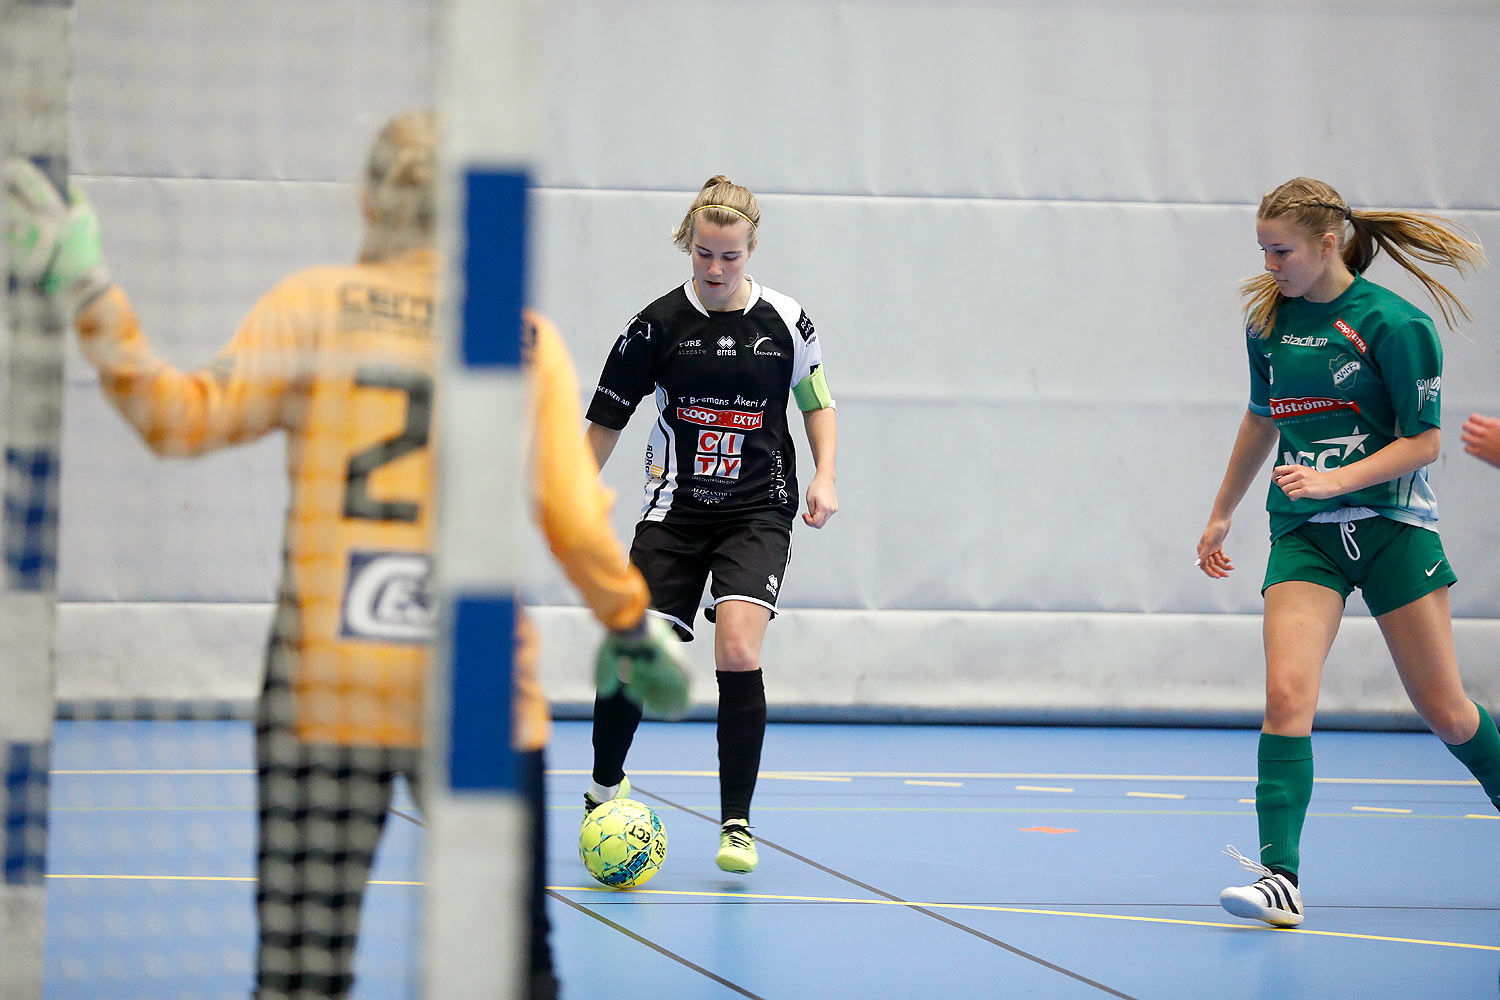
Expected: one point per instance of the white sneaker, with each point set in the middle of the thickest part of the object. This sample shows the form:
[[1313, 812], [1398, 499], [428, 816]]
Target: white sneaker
[[590, 803], [1272, 897]]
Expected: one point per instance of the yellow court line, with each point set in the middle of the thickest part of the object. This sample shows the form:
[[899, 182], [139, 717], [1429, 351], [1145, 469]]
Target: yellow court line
[[851, 775], [156, 771], [1030, 911], [1042, 788], [1380, 809], [1031, 776], [940, 784], [1478, 816], [1154, 795]]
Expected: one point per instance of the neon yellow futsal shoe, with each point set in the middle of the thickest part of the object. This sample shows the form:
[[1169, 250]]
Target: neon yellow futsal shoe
[[590, 803], [737, 847]]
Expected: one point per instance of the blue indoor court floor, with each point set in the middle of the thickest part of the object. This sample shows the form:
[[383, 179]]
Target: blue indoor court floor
[[895, 861]]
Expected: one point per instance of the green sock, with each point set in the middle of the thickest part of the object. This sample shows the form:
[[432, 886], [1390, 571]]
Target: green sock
[[1282, 793], [1481, 755]]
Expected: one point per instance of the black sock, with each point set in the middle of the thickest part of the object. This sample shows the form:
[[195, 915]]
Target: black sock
[[615, 719], [742, 730]]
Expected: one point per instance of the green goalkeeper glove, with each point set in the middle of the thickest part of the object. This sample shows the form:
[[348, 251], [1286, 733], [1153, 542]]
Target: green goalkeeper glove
[[650, 663], [52, 243]]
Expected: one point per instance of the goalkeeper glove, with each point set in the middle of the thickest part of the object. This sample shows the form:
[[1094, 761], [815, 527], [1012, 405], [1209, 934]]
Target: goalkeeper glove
[[650, 663], [51, 243]]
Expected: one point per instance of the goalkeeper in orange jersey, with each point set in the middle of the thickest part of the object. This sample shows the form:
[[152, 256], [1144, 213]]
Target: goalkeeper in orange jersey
[[343, 359]]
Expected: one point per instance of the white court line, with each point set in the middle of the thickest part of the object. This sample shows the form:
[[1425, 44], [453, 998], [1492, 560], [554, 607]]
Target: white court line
[[1154, 795], [939, 784], [1040, 788]]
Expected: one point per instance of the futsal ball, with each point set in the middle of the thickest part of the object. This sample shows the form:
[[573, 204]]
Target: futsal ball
[[622, 843]]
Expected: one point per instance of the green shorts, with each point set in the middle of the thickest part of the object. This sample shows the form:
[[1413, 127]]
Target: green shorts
[[1391, 562]]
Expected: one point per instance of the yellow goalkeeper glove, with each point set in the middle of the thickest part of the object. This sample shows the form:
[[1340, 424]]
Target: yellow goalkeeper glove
[[52, 243], [651, 665]]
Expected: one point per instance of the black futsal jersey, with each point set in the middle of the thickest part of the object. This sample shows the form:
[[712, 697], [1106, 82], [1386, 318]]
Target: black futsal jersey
[[721, 446]]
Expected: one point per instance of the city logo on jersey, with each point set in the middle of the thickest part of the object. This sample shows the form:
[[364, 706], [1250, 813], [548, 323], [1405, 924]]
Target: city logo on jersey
[[720, 454], [805, 327], [386, 597], [1308, 406], [1427, 391], [739, 420], [726, 346], [637, 328], [1344, 368], [1329, 458], [769, 352], [1352, 335], [1287, 338]]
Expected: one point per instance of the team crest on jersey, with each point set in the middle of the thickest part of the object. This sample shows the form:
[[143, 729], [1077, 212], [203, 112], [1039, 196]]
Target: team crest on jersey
[[767, 351], [386, 597], [638, 328], [1345, 369]]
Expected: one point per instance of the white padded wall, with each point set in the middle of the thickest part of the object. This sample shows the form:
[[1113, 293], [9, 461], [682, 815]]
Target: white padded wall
[[1017, 225]]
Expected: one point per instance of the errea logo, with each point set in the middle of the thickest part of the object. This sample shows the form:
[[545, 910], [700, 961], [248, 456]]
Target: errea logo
[[726, 346]]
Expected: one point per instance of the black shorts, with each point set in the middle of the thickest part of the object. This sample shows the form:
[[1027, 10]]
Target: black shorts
[[746, 558]]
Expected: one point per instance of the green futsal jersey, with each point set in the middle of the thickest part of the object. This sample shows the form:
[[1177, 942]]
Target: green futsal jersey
[[1342, 380]]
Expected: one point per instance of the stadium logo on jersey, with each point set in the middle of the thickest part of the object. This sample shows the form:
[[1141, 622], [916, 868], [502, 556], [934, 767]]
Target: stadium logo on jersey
[[1287, 338], [726, 346], [1307, 406], [386, 597], [1329, 458], [770, 352], [1427, 391], [1344, 370], [736, 419], [805, 327], [1352, 335]]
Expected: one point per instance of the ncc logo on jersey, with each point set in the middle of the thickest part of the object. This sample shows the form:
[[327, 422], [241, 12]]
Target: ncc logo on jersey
[[1328, 459], [386, 597]]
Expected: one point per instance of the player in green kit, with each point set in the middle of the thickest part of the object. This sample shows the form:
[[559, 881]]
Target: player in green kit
[[1345, 385]]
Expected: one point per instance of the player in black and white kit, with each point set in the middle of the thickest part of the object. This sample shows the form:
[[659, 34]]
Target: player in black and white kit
[[722, 355]]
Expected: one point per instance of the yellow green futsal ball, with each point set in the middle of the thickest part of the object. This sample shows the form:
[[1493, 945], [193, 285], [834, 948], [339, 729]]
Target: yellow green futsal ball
[[622, 843]]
